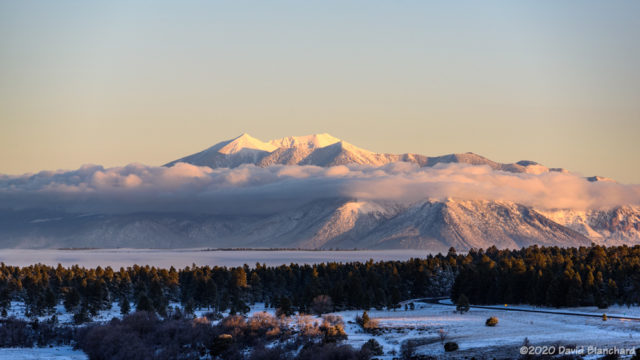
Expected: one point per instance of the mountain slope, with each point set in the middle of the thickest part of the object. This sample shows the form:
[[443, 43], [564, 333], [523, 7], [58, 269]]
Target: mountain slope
[[617, 226], [472, 224], [244, 149], [331, 223], [326, 150]]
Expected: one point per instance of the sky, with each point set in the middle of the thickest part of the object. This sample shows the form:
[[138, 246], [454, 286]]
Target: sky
[[121, 82]]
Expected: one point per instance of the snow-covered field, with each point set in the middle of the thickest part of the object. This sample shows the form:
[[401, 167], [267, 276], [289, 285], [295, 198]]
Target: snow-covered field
[[427, 321], [54, 353], [180, 258], [505, 339]]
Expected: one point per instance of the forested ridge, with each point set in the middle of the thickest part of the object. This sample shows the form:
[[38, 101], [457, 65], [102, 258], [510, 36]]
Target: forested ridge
[[350, 286], [536, 275]]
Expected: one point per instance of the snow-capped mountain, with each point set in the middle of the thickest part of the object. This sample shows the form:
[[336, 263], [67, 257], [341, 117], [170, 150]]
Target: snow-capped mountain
[[274, 210], [326, 150], [331, 224]]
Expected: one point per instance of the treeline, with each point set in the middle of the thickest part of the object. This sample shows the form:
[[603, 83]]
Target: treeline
[[84, 292], [536, 275], [551, 276]]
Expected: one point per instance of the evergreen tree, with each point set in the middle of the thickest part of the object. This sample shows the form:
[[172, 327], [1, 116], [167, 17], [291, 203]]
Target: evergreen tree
[[125, 307], [144, 304], [50, 301], [284, 307], [462, 305]]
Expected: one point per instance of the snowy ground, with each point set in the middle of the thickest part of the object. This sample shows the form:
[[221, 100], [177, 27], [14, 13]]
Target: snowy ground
[[613, 310], [17, 311], [55, 353], [474, 338], [427, 320], [180, 258]]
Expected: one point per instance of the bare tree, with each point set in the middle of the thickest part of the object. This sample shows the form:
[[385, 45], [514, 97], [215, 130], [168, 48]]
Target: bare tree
[[443, 334]]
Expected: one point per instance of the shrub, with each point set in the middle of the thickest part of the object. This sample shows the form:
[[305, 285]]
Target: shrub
[[612, 356], [332, 329], [307, 326], [492, 321], [221, 344], [602, 305], [368, 324], [16, 333], [408, 349], [263, 324], [373, 347], [19, 333], [234, 325], [450, 346], [212, 315], [330, 352], [274, 353], [142, 335]]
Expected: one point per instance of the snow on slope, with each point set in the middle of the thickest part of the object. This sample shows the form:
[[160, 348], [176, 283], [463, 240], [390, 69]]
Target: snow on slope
[[314, 141], [429, 225], [326, 150], [244, 149], [242, 143], [617, 226], [339, 223], [471, 224]]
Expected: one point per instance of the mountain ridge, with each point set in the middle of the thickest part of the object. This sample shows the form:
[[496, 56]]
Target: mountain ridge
[[326, 150], [337, 223], [308, 213]]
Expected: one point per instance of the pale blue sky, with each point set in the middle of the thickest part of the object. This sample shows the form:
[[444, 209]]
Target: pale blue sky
[[116, 82]]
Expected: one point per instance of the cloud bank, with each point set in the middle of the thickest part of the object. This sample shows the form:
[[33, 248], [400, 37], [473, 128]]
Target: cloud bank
[[254, 190]]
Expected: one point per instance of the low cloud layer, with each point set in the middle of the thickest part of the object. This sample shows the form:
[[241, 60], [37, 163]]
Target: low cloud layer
[[252, 190]]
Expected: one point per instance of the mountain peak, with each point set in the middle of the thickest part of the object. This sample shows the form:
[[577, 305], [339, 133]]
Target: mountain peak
[[312, 141], [323, 149], [242, 142]]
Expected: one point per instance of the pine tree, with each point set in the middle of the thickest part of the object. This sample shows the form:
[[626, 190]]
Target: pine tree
[[50, 301], [365, 319], [144, 304], [284, 307], [5, 301], [239, 277], [125, 307], [462, 305], [158, 300]]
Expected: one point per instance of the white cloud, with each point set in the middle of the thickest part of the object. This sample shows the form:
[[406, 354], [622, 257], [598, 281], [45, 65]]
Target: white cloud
[[249, 189]]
